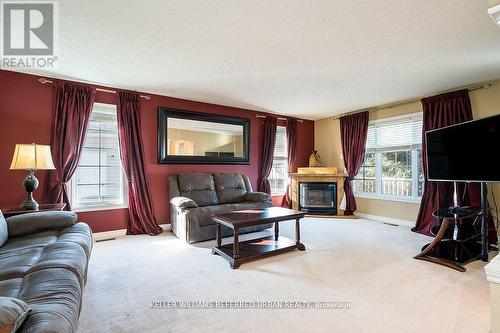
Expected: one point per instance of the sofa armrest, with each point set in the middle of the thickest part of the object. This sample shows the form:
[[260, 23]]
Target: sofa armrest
[[31, 223], [257, 197], [183, 202], [13, 312]]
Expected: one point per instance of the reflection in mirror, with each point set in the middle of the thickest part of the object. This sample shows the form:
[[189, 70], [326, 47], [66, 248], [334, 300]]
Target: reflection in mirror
[[188, 137]]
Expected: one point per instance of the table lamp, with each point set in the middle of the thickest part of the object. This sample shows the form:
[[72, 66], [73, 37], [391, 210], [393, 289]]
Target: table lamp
[[31, 157]]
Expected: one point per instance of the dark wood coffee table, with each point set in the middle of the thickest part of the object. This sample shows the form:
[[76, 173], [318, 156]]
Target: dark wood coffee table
[[241, 252]]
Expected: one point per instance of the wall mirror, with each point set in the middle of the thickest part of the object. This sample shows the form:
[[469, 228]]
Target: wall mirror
[[190, 137]]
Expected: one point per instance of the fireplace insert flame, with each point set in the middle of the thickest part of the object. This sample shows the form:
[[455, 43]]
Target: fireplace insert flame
[[318, 198]]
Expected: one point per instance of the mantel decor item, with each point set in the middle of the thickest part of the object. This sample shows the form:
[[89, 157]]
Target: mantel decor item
[[31, 157], [314, 159]]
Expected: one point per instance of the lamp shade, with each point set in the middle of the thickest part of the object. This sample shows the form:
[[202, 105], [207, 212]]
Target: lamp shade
[[32, 157]]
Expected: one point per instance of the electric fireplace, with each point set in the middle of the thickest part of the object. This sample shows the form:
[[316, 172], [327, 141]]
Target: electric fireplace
[[318, 198]]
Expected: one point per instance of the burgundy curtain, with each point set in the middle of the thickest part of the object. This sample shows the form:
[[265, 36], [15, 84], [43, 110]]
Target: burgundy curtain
[[439, 111], [353, 132], [141, 212], [291, 141], [270, 124], [71, 113]]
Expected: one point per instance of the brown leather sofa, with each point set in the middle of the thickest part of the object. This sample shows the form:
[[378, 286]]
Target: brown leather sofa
[[195, 197], [43, 263]]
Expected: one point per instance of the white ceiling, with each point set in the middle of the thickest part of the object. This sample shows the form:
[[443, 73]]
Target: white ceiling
[[307, 58]]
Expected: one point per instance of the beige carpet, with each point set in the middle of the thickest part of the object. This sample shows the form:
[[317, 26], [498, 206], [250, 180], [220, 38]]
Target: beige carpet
[[363, 262]]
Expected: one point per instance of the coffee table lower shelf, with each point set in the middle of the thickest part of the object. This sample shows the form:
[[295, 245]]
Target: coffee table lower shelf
[[256, 248]]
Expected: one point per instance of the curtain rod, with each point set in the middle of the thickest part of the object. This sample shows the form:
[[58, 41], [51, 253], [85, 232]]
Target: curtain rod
[[44, 81], [406, 101], [279, 118]]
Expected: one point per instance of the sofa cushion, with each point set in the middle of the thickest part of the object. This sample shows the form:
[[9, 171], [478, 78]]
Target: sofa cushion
[[32, 223], [10, 287], [69, 247], [37, 240], [54, 295], [15, 264], [80, 234], [203, 215], [67, 255], [198, 187], [257, 197], [230, 187], [252, 205], [13, 312]]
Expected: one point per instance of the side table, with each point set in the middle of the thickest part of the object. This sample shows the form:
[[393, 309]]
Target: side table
[[16, 210]]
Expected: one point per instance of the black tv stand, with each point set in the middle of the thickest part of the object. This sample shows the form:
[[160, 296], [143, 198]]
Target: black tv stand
[[484, 222], [460, 210], [449, 250]]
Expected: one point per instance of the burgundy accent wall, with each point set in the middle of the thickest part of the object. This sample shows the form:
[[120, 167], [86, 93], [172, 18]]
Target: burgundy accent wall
[[26, 116]]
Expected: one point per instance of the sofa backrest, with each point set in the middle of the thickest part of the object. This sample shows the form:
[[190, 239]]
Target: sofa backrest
[[230, 187], [199, 187], [210, 189]]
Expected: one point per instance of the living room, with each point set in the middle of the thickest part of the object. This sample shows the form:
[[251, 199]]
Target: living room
[[186, 166]]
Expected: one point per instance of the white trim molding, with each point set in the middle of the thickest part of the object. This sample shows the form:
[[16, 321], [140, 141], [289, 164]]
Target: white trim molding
[[96, 208], [376, 196], [112, 234], [385, 219], [492, 270]]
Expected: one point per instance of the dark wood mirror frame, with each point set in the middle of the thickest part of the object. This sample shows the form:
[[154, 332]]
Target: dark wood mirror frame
[[164, 114]]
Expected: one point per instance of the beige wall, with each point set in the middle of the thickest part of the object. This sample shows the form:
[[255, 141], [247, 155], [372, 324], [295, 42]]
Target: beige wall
[[485, 102]]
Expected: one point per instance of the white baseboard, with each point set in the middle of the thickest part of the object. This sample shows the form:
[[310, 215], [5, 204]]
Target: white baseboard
[[385, 219], [105, 235]]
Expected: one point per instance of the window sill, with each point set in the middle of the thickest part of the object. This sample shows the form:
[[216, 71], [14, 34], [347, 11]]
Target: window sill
[[387, 198], [97, 208]]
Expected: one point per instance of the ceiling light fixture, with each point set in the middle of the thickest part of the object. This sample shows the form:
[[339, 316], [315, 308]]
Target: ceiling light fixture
[[495, 13]]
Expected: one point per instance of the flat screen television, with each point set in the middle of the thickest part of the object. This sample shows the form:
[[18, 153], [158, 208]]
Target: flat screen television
[[466, 152]]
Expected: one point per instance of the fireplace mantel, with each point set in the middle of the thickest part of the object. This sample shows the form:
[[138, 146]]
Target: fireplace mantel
[[305, 176]]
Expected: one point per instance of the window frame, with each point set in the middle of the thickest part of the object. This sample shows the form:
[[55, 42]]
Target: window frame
[[281, 158], [414, 148], [101, 205], [363, 169]]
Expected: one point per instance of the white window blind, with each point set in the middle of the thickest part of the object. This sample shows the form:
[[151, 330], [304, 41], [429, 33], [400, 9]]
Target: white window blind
[[280, 148], [99, 182], [278, 178], [400, 132]]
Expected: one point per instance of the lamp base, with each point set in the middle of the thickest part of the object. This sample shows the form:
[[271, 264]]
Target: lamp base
[[30, 184]]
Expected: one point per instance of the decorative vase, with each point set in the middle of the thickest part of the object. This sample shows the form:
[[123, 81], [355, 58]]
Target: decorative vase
[[314, 159]]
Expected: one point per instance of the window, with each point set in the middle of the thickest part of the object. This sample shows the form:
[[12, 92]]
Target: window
[[279, 173], [99, 181], [365, 180], [392, 168]]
